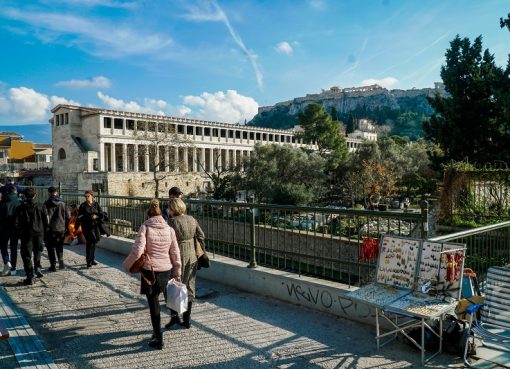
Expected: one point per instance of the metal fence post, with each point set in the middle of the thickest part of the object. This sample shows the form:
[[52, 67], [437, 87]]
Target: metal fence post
[[424, 205], [253, 260]]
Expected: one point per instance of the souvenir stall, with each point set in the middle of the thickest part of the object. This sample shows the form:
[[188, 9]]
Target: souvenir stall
[[416, 281]]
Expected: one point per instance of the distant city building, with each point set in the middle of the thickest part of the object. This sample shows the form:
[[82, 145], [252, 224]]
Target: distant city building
[[365, 131], [105, 149], [17, 155]]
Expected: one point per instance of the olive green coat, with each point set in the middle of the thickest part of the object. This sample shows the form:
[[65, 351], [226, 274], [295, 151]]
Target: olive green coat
[[186, 228]]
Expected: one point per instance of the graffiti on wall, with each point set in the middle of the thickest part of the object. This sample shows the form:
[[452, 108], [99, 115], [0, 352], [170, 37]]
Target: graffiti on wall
[[324, 298]]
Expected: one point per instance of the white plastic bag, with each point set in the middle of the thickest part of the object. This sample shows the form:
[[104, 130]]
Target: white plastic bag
[[176, 296]]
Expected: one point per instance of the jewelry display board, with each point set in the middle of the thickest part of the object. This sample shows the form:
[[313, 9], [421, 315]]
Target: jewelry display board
[[377, 295], [397, 261], [440, 267]]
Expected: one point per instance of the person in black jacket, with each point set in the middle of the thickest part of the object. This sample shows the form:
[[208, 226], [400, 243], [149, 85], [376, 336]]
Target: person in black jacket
[[8, 234], [31, 219], [58, 217], [89, 217]]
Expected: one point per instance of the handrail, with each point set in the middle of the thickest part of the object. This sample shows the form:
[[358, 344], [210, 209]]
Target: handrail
[[471, 232]]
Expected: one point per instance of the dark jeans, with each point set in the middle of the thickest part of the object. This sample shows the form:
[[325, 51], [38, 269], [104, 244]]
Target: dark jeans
[[54, 243], [152, 293], [9, 237], [90, 251], [33, 245]]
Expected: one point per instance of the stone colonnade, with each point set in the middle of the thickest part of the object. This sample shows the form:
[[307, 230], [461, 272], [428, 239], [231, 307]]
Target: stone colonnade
[[124, 157]]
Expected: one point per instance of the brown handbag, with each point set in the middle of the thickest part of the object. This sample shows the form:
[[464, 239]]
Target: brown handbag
[[141, 261]]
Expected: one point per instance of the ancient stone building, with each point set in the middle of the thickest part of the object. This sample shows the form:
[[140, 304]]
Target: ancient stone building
[[112, 150]]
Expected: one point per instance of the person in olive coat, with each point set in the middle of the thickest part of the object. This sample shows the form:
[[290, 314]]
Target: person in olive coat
[[90, 215], [186, 229]]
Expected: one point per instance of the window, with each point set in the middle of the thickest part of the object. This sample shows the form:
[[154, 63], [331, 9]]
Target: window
[[118, 123], [180, 128], [57, 119], [238, 134], [189, 130], [107, 122], [252, 135], [207, 131], [161, 127], [152, 127], [61, 154], [293, 139], [215, 132], [130, 124], [95, 164], [66, 118], [223, 133], [264, 136], [198, 131], [258, 136], [245, 135], [230, 133], [270, 137], [140, 125]]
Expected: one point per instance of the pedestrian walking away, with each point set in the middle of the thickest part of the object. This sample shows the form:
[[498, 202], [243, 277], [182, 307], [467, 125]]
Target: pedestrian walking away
[[58, 218], [31, 219], [90, 215], [158, 241], [186, 229], [8, 234]]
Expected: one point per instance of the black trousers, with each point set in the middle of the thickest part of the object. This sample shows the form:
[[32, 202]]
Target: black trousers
[[152, 293], [31, 246], [54, 244], [90, 251], [9, 236]]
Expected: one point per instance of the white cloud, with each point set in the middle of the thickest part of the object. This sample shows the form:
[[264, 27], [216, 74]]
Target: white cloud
[[95, 82], [25, 105], [387, 82], [96, 36], [284, 48], [210, 11], [228, 107], [150, 106]]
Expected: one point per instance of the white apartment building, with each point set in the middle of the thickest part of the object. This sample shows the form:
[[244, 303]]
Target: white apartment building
[[108, 150]]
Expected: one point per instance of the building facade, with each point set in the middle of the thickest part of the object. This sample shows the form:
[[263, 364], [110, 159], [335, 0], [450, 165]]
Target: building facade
[[121, 152]]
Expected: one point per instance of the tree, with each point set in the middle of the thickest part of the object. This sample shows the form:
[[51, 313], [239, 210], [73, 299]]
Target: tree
[[285, 175], [473, 120], [224, 180], [505, 22], [153, 141], [319, 128]]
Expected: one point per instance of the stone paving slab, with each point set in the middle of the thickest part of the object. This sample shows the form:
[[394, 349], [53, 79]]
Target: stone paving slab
[[95, 318]]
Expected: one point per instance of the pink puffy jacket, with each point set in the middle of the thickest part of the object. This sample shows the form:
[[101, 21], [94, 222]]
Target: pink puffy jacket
[[159, 239]]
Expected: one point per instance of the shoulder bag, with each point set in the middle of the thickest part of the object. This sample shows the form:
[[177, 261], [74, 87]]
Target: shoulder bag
[[202, 258], [141, 261]]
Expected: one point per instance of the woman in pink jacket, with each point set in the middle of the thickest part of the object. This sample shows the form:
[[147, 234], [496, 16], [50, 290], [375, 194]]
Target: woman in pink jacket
[[164, 261]]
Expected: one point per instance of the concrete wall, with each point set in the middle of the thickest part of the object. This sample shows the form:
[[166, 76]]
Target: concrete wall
[[313, 293]]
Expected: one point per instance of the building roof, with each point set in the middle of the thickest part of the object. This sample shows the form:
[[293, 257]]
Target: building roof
[[13, 135], [85, 111]]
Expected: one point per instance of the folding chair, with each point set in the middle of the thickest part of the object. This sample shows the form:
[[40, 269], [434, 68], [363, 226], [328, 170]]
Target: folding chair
[[493, 327]]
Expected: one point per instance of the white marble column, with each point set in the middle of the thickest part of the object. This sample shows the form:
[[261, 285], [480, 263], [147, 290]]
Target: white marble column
[[167, 158], [185, 154], [113, 162], [102, 157], [194, 165], [147, 162], [177, 167], [234, 158], [135, 158], [202, 159], [124, 158]]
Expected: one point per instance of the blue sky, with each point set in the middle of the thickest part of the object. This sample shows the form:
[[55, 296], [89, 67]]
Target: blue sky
[[219, 60]]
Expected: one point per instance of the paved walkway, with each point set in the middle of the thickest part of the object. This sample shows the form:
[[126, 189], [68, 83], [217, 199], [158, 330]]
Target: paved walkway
[[95, 318]]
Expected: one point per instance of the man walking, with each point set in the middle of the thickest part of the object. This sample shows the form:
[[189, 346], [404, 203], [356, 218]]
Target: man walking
[[173, 193], [58, 218], [31, 220], [8, 234]]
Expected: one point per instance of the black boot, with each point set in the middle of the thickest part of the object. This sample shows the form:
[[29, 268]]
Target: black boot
[[174, 319], [157, 341], [186, 317]]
